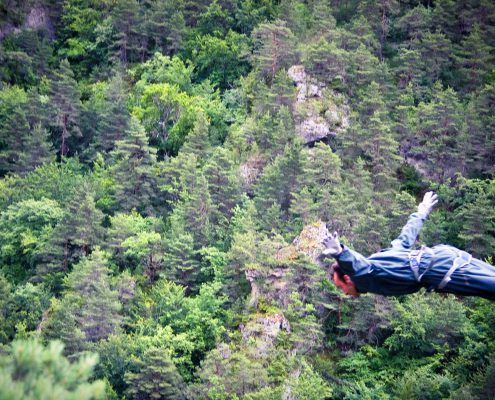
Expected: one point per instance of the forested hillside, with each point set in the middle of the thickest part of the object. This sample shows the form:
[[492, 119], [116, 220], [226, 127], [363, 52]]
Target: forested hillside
[[159, 157]]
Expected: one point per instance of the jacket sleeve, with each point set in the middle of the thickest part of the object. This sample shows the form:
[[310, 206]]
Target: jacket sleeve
[[409, 232], [351, 261]]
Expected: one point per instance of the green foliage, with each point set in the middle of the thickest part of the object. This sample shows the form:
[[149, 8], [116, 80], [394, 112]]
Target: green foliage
[[25, 227], [34, 372], [166, 133]]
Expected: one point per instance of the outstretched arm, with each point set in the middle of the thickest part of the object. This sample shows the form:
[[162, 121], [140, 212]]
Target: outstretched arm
[[415, 222]]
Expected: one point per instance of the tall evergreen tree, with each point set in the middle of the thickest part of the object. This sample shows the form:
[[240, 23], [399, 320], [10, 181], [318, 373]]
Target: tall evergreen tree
[[76, 235], [224, 188], [66, 107], [155, 376], [114, 120], [166, 26], [129, 42], [474, 60], [14, 127], [38, 150], [441, 125], [481, 128], [273, 49], [98, 312], [278, 182], [132, 170]]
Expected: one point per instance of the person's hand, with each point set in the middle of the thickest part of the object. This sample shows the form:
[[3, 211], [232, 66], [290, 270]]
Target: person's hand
[[332, 245], [429, 201]]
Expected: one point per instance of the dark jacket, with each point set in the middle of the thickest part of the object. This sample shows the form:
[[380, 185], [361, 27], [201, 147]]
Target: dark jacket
[[388, 272]]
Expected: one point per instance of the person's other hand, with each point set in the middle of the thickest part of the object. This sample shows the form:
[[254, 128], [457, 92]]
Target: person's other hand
[[332, 245], [429, 201]]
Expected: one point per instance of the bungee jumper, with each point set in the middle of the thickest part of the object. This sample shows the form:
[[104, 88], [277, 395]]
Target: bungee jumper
[[399, 269]]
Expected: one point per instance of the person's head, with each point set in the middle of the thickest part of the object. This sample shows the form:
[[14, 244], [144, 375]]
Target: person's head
[[343, 281]]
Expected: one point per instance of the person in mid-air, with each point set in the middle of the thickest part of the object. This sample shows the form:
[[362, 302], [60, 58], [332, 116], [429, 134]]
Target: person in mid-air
[[399, 269]]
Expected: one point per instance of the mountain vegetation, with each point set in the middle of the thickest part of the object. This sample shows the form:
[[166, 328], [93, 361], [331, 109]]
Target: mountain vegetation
[[158, 158]]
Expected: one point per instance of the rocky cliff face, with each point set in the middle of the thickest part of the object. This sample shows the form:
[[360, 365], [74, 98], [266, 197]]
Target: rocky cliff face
[[276, 282], [37, 18], [319, 112]]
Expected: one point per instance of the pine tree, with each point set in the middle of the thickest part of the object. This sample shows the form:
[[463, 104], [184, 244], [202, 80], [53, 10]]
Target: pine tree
[[325, 61], [224, 188], [415, 22], [372, 139], [37, 151], [98, 312], [273, 49], [379, 14], [474, 60], [166, 26], [31, 371], [320, 176], [322, 22], [128, 42], [197, 142], [278, 182], [14, 127], [441, 125], [436, 52], [75, 235], [481, 128], [60, 323], [180, 258], [155, 376], [133, 160], [243, 250], [114, 120], [66, 107], [478, 224]]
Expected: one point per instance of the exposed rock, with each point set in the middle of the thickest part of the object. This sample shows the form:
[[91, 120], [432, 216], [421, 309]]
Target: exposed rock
[[36, 19], [309, 241], [264, 331], [313, 129], [250, 171], [318, 111], [271, 284], [276, 283], [307, 87]]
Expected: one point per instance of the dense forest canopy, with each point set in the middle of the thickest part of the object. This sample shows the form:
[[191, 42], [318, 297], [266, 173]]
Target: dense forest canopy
[[159, 157]]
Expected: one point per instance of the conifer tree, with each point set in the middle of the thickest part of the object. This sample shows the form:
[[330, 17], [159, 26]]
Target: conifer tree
[[445, 15], [166, 26], [379, 14], [278, 182], [224, 188], [114, 120], [14, 127], [133, 160], [244, 240], [273, 49], [180, 258], [154, 376], [60, 323], [38, 150], [481, 128], [441, 125], [66, 107], [32, 371], [478, 226], [474, 60], [75, 235], [197, 141], [322, 21], [319, 178], [89, 285], [128, 41]]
